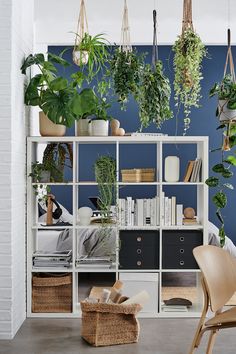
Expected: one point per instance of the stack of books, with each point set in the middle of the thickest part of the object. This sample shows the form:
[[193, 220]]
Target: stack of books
[[193, 171], [103, 262], [174, 308], [55, 259], [139, 212], [192, 221], [171, 213]]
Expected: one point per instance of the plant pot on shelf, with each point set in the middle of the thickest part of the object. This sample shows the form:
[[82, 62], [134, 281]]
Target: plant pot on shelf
[[226, 114], [80, 57], [83, 127], [98, 127], [48, 128]]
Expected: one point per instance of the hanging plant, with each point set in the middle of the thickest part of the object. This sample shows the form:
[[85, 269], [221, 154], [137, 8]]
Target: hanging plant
[[125, 65], [154, 90], [189, 53]]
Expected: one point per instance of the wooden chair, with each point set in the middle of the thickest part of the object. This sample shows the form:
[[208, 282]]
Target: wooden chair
[[218, 269]]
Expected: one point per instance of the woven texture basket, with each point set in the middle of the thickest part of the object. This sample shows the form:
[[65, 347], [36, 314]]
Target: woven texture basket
[[52, 293], [138, 175], [109, 324]]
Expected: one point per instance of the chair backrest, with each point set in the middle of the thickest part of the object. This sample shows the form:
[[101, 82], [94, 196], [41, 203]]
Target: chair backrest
[[219, 272]]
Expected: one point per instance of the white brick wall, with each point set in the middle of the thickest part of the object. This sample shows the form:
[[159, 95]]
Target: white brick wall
[[16, 41]]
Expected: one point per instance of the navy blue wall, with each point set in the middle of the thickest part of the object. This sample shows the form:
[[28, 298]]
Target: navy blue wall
[[203, 122]]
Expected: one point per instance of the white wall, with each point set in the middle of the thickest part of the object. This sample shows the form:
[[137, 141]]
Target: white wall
[[16, 28], [56, 18]]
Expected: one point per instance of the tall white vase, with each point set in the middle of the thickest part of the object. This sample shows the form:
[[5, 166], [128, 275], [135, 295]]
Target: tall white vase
[[172, 169]]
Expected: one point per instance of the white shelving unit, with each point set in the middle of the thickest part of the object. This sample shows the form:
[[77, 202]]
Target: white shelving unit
[[33, 148]]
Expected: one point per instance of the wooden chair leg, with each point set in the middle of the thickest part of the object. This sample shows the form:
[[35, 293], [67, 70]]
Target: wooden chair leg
[[197, 337], [211, 341]]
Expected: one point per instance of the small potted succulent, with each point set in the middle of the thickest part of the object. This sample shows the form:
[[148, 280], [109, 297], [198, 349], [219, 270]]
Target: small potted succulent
[[226, 93]]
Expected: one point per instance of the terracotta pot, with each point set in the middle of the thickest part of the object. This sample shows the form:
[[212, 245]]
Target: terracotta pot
[[225, 114], [82, 127], [48, 128], [98, 127]]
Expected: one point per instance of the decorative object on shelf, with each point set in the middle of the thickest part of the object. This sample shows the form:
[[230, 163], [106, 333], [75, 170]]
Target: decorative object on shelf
[[56, 157], [138, 175], [84, 215], [189, 213], [98, 127], [50, 92], [189, 52], [105, 176], [99, 124], [154, 90], [115, 128], [89, 52], [49, 220], [50, 214], [48, 128], [172, 168], [125, 65]]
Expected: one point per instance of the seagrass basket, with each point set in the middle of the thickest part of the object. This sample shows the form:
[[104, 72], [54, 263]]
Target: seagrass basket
[[109, 324], [52, 293], [138, 175]]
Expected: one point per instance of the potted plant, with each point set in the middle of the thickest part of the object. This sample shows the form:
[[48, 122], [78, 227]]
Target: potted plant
[[39, 173], [154, 96], [99, 125], [189, 53], [125, 70], [90, 52], [226, 93], [51, 93]]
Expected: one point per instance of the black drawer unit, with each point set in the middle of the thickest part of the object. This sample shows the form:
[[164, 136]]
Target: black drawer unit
[[139, 249], [177, 248]]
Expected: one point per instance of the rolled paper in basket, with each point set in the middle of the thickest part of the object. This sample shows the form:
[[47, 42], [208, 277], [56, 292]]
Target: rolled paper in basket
[[140, 298]]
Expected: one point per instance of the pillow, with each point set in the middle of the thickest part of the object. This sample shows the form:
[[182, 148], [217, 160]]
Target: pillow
[[214, 239]]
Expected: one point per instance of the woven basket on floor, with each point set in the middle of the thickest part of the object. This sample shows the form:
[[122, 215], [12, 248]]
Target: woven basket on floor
[[109, 324], [52, 293]]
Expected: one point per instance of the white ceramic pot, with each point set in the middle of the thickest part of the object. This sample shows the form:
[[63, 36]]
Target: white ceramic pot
[[48, 128], [80, 57], [98, 127], [82, 127], [225, 114], [172, 169]]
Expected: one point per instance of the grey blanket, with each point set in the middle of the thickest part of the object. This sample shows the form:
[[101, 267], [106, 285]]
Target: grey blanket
[[92, 242]]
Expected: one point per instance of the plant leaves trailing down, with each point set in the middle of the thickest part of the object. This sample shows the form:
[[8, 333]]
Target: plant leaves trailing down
[[223, 171], [189, 53], [154, 96], [125, 71]]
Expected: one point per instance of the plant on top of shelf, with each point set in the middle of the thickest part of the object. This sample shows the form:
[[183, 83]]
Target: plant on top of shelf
[[189, 53], [125, 65], [154, 90]]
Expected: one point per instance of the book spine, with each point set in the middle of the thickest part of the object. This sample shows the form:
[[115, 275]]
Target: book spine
[[157, 211], [129, 206], [163, 208], [179, 214], [148, 212], [166, 205], [169, 212], [173, 211], [144, 211]]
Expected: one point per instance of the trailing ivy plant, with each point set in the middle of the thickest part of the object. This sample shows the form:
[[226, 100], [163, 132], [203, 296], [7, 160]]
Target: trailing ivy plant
[[189, 53], [219, 181], [125, 70], [154, 96]]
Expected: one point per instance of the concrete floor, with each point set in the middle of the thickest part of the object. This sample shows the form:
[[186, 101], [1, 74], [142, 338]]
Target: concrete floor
[[158, 336]]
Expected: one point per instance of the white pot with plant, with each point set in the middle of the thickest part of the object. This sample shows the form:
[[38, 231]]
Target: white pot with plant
[[98, 127]]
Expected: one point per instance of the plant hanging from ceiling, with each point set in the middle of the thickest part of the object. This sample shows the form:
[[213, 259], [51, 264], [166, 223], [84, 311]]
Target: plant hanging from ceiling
[[154, 90], [90, 52], [226, 112], [125, 65], [189, 53]]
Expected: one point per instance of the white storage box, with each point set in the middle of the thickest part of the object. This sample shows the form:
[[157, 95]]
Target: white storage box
[[136, 282]]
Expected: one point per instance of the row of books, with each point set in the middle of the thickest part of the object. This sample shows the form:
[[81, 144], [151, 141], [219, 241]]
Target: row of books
[[139, 212], [103, 262], [55, 259], [193, 171]]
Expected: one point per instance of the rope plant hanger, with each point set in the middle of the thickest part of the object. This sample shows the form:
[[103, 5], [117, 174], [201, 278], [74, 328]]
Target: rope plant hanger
[[80, 56], [154, 90], [189, 52], [125, 43]]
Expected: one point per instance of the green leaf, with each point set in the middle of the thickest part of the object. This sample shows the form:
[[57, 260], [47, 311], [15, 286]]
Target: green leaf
[[32, 97], [84, 104], [32, 60], [231, 160], [232, 141], [220, 200], [228, 185], [219, 216], [227, 173], [222, 236], [212, 181], [49, 66], [219, 168], [58, 60], [220, 126], [58, 84]]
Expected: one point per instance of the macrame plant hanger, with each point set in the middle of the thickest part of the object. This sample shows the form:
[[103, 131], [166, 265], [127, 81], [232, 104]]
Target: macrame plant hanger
[[82, 28], [187, 22], [154, 46], [125, 42], [229, 64]]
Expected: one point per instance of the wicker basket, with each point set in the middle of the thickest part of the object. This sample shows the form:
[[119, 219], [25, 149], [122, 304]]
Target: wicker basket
[[52, 293], [109, 324], [138, 175]]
